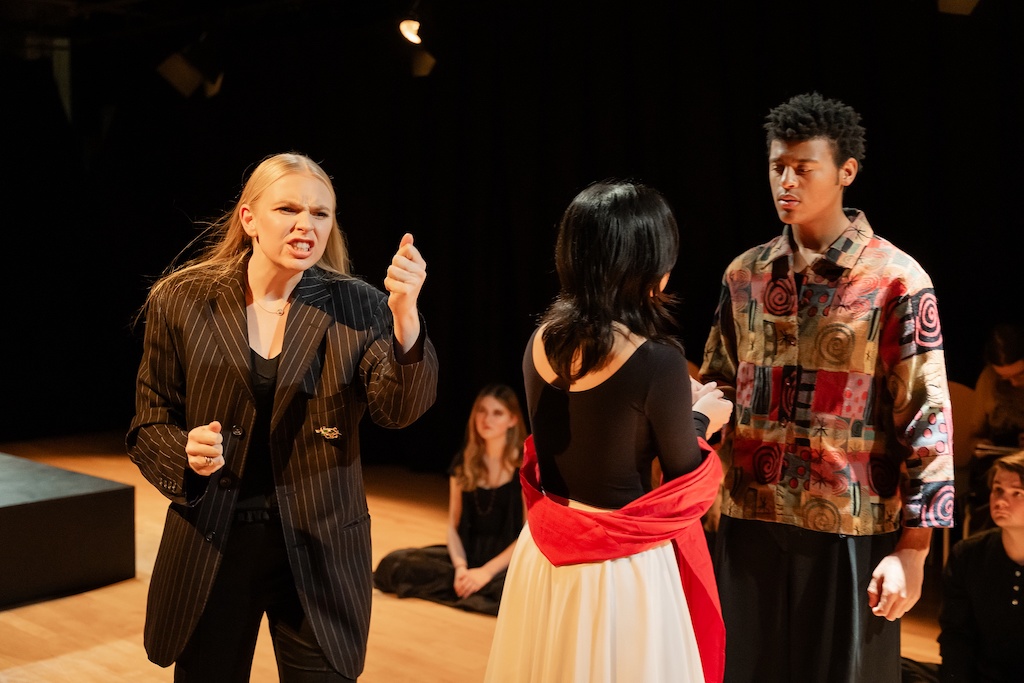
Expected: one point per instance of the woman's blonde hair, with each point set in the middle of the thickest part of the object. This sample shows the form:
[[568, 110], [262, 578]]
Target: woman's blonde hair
[[473, 469], [227, 243]]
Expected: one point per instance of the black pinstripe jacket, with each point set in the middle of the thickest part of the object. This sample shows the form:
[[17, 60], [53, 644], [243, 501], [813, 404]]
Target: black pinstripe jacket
[[337, 361]]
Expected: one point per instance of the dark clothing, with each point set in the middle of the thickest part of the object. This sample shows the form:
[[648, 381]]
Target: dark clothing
[[783, 581], [597, 446], [982, 617], [258, 482], [491, 520], [427, 573], [337, 363], [918, 672], [254, 579]]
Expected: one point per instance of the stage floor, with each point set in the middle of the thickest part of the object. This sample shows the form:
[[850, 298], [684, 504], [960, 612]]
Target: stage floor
[[96, 637]]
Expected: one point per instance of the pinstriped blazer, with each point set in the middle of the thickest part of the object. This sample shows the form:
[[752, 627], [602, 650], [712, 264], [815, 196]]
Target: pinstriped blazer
[[337, 362]]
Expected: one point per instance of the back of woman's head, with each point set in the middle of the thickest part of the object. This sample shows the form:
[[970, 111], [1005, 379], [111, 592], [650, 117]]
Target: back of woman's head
[[1005, 345], [616, 241]]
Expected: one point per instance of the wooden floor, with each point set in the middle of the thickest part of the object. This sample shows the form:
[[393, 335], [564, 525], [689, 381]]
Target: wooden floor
[[96, 637]]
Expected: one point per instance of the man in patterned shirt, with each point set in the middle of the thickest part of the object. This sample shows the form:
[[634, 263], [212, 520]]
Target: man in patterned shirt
[[841, 444]]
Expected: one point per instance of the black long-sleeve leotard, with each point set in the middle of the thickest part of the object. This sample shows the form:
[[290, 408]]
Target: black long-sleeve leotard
[[596, 446]]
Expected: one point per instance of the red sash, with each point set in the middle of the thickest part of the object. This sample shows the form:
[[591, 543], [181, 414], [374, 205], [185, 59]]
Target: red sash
[[671, 511]]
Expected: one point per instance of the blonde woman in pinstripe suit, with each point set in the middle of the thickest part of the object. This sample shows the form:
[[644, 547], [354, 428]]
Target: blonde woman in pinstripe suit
[[260, 358]]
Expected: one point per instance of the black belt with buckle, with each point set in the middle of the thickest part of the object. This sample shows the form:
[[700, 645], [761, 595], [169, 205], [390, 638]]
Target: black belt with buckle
[[257, 515]]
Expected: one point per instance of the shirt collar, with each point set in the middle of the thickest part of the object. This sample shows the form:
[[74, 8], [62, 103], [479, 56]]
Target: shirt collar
[[843, 252]]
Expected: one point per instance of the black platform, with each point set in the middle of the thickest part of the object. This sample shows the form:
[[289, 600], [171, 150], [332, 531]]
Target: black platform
[[61, 532]]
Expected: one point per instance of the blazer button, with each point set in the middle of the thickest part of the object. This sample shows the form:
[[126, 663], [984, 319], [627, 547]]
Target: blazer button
[[225, 482], [210, 536], [237, 431]]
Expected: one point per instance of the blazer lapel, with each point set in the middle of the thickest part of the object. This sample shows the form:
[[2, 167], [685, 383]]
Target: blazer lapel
[[307, 324], [227, 317]]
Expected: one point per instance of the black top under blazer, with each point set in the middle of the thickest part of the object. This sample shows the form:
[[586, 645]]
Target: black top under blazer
[[337, 361]]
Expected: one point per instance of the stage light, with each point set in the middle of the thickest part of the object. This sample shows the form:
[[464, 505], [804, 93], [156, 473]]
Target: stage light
[[422, 62], [964, 7], [410, 28], [194, 65]]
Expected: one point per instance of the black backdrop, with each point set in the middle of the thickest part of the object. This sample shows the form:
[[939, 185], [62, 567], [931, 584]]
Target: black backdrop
[[528, 102]]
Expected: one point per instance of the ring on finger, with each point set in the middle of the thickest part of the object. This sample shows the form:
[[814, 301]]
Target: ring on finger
[[209, 461]]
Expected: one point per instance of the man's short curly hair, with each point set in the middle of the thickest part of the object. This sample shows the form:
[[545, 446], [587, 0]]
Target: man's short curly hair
[[810, 115]]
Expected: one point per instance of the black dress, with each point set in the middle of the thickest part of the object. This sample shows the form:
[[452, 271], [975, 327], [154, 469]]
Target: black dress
[[491, 520]]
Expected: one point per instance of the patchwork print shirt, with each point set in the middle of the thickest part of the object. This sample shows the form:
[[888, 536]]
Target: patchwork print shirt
[[842, 416]]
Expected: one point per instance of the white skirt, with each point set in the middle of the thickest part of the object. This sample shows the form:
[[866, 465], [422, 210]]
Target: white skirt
[[623, 620]]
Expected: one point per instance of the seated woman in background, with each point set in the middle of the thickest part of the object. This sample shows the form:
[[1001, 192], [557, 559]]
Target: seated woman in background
[[485, 515], [982, 618], [997, 422]]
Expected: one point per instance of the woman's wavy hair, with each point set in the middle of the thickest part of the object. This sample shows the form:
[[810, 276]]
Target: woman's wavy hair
[[616, 241]]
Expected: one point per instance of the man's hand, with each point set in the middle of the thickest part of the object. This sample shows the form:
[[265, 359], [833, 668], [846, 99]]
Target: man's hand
[[896, 583]]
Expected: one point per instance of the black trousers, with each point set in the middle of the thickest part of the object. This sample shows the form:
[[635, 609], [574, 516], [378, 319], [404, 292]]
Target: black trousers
[[254, 578], [796, 609]]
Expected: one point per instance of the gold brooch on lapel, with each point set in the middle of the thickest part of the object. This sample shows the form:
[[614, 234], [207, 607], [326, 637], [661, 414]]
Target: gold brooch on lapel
[[328, 432]]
